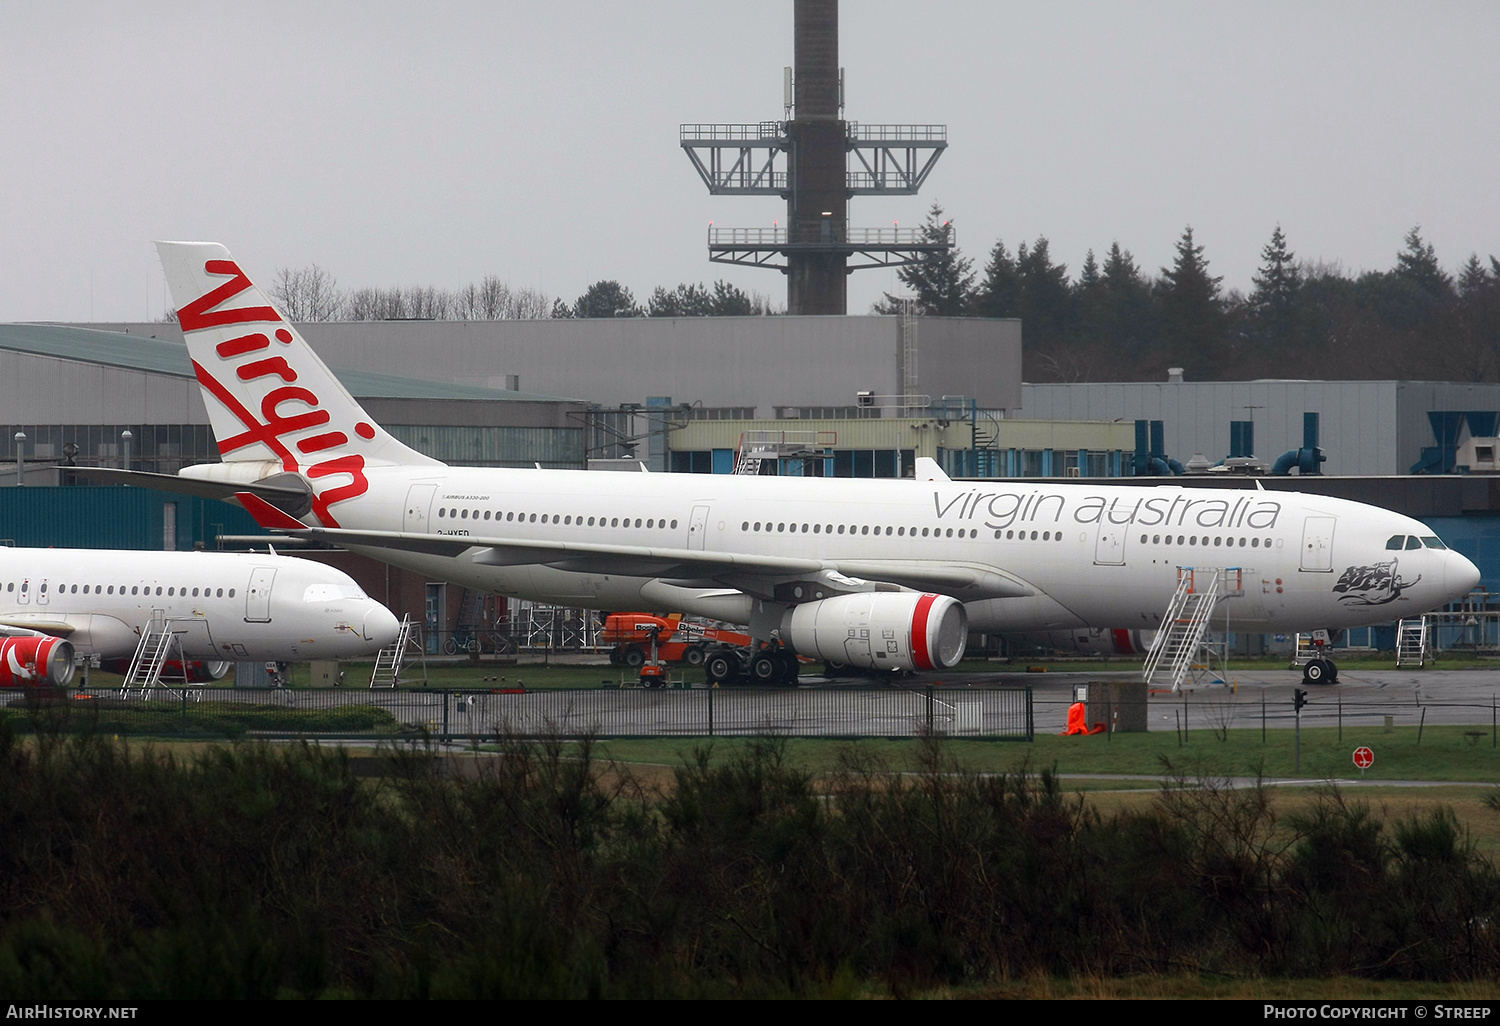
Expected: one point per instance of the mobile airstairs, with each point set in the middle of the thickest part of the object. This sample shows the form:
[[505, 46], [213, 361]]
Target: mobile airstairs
[[1411, 643], [389, 662], [159, 661], [1179, 651]]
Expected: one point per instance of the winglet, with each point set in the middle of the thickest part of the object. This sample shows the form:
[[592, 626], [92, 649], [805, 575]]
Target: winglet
[[267, 515], [928, 470]]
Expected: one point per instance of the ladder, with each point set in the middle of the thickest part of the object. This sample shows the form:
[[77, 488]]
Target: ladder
[[389, 662], [1183, 626], [1411, 643], [470, 619], [747, 461], [159, 646]]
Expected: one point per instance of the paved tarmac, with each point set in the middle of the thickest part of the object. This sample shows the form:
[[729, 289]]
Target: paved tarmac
[[1360, 696]]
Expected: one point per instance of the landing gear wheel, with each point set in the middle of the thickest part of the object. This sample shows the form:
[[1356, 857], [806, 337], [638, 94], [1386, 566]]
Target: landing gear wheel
[[721, 668], [833, 669], [1319, 671], [693, 656], [790, 668], [634, 658], [765, 668]]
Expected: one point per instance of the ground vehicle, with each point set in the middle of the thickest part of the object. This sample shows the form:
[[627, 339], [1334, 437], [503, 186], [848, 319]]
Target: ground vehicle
[[677, 640]]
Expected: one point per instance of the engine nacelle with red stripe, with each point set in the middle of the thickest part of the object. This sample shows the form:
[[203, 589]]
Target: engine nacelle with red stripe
[[31, 662], [1095, 641], [880, 630]]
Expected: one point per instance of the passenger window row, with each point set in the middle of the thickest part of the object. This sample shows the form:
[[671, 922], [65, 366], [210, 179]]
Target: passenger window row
[[1217, 540], [100, 589], [650, 523], [861, 529]]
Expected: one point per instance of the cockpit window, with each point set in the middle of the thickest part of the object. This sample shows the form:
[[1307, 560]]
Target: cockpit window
[[331, 592], [1396, 541], [1413, 543], [1433, 543]]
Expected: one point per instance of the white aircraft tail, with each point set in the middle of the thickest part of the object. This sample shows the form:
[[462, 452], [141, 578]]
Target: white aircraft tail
[[269, 396]]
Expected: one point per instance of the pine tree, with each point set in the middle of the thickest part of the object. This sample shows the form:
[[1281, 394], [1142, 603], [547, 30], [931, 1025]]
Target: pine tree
[[1418, 264], [1088, 276], [606, 299], [1279, 279], [999, 293], [1474, 278], [1046, 300], [1191, 308], [942, 282], [1125, 322]]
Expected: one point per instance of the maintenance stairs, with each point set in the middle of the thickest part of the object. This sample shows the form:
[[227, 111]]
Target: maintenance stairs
[[1411, 643], [1175, 650], [389, 662], [470, 621], [758, 446], [158, 660]]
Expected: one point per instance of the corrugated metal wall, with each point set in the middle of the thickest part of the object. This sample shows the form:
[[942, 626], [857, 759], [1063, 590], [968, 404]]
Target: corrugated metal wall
[[114, 518]]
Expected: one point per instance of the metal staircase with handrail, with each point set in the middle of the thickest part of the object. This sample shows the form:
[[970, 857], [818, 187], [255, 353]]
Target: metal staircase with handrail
[[1411, 642], [389, 662], [1185, 622], [153, 653]]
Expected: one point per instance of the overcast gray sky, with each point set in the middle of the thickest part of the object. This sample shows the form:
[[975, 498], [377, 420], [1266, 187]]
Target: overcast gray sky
[[401, 144]]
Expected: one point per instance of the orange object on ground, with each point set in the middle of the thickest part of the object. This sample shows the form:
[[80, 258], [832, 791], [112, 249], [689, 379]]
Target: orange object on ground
[[1078, 721]]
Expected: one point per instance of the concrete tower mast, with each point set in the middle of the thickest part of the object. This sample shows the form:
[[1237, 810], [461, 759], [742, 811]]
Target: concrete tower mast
[[816, 161]]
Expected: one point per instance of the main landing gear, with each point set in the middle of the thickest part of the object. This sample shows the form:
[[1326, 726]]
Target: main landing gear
[[769, 667]]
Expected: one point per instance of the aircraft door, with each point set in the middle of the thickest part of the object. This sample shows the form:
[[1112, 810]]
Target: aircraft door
[[41, 592], [698, 527], [258, 595], [1109, 547], [1317, 544], [24, 595], [418, 506]]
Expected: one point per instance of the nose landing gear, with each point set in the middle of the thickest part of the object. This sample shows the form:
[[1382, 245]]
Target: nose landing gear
[[1320, 671]]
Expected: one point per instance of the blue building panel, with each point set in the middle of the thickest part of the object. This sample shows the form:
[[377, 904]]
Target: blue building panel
[[106, 517]]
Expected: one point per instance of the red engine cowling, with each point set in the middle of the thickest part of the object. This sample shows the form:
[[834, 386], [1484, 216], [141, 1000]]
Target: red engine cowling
[[881, 630], [35, 662], [199, 671]]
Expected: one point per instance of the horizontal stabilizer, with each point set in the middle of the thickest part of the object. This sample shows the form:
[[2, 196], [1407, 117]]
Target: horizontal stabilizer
[[283, 495]]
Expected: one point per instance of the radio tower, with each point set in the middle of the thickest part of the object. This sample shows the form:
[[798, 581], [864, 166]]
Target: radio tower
[[816, 161]]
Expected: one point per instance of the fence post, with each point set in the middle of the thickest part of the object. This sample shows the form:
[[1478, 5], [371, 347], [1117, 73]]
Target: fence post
[[447, 701], [929, 710], [184, 709], [711, 690]]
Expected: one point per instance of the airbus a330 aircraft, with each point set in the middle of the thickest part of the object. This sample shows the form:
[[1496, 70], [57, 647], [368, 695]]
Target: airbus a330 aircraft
[[223, 606], [882, 574]]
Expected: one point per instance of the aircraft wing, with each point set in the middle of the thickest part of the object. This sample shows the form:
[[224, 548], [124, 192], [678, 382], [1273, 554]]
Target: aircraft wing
[[289, 496], [35, 628], [689, 567]]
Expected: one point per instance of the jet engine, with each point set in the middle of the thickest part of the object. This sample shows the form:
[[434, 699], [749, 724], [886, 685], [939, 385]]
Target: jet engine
[[1092, 641], [880, 630], [199, 671], [35, 662]]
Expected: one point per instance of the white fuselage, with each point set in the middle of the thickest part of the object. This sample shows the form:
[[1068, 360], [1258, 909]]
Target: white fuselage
[[1019, 556], [223, 606], [1091, 554]]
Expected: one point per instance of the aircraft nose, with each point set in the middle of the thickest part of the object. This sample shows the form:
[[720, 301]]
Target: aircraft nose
[[1460, 575], [381, 626]]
